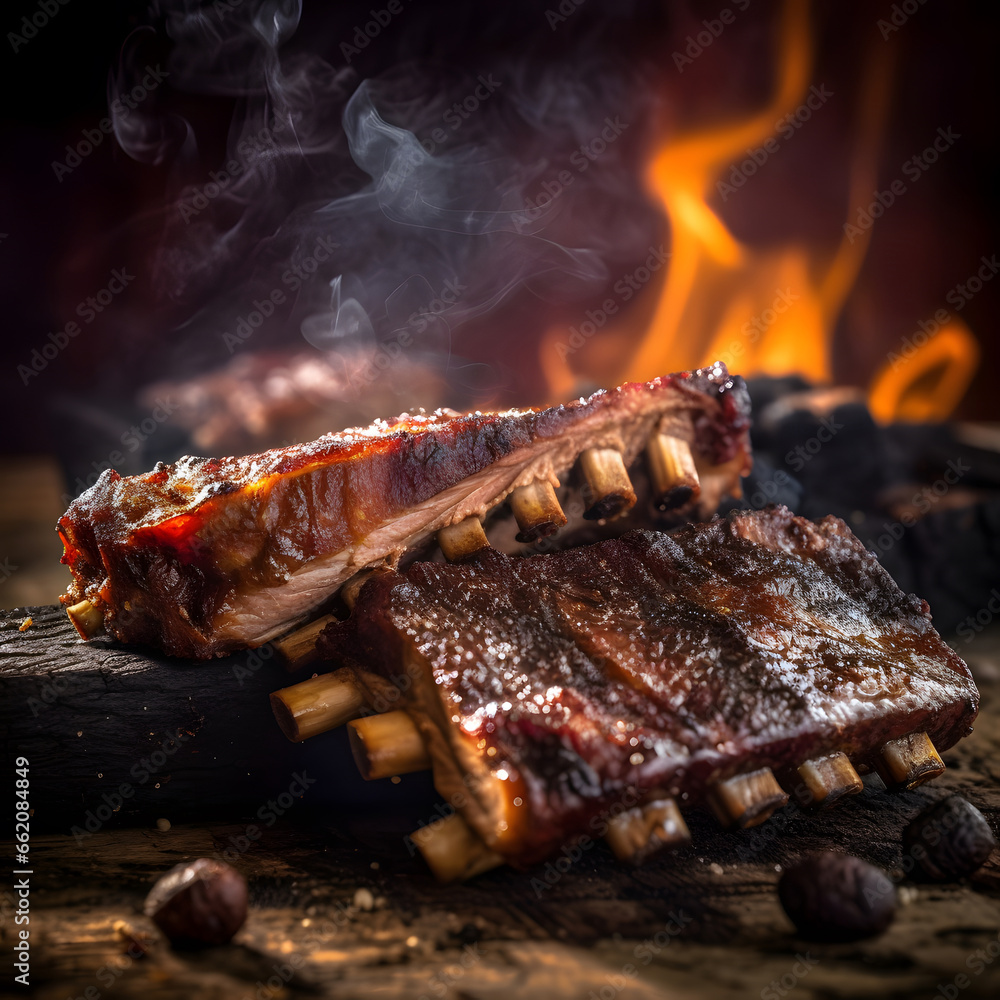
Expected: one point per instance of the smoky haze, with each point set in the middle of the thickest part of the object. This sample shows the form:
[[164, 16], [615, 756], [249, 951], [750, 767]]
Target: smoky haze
[[386, 168]]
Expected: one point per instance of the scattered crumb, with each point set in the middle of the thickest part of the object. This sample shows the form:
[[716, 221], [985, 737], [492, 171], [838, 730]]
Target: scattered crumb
[[306, 922], [26, 624], [163, 825], [777, 868], [716, 869], [395, 779], [136, 944], [412, 941], [80, 733], [374, 866], [364, 900], [908, 894]]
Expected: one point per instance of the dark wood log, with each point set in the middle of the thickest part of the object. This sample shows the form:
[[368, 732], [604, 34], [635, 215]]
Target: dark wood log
[[144, 736]]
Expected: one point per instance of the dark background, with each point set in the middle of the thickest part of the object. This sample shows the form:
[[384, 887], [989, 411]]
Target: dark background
[[63, 238]]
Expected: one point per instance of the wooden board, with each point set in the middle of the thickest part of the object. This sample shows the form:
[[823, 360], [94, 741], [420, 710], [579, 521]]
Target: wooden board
[[703, 922]]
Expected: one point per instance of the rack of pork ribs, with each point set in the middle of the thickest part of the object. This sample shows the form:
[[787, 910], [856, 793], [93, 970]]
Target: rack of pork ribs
[[599, 689]]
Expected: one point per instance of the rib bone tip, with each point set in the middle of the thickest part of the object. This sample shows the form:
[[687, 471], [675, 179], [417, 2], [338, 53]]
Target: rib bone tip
[[453, 850], [609, 492], [86, 619], [908, 761], [386, 745], [746, 800], [316, 705], [826, 780], [536, 510], [672, 472], [640, 832], [459, 541], [298, 648]]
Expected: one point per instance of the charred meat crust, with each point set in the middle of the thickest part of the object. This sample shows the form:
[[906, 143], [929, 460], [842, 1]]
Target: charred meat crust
[[206, 556], [650, 662]]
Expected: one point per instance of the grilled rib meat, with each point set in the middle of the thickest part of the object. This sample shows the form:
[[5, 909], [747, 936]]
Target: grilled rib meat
[[546, 687], [206, 556]]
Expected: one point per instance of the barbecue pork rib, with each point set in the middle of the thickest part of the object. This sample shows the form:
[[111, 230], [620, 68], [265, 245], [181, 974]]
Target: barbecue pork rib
[[210, 555], [548, 688]]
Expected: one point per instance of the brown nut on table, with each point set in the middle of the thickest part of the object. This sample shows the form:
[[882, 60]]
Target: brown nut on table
[[199, 903], [950, 839], [837, 897]]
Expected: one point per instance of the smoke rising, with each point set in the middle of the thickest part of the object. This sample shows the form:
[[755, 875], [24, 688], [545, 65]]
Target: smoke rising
[[456, 162]]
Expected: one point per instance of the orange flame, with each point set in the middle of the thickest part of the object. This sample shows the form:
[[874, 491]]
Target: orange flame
[[768, 310]]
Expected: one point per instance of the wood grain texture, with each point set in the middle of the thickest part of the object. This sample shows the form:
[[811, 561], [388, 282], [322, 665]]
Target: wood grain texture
[[539, 934]]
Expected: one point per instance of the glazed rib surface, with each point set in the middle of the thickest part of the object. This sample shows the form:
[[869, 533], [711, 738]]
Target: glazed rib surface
[[206, 556], [546, 687]]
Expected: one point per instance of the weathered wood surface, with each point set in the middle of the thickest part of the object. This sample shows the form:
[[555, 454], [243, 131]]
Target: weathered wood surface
[[539, 934]]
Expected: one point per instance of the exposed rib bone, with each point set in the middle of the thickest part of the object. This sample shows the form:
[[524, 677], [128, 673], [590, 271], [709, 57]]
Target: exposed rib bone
[[453, 850], [298, 648], [387, 744], [87, 620], [459, 541], [536, 511], [644, 830], [672, 471], [609, 490], [908, 761], [350, 590], [316, 705], [827, 779], [747, 799]]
